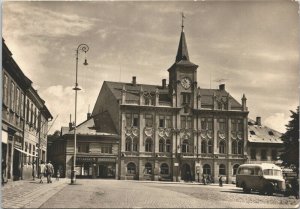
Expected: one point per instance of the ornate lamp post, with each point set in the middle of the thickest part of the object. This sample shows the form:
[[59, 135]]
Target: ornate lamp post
[[81, 48]]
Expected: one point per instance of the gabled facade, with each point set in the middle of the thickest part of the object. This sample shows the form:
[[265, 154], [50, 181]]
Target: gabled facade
[[177, 131], [23, 113]]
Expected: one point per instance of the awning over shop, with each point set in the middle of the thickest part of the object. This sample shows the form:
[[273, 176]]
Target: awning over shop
[[28, 154]]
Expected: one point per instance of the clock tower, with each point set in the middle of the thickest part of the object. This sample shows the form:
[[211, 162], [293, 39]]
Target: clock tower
[[183, 76]]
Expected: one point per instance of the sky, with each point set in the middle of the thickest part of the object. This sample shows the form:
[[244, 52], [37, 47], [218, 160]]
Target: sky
[[253, 46]]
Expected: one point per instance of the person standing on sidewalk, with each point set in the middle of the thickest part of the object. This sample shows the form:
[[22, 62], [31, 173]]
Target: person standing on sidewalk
[[57, 175], [221, 181], [42, 171], [49, 171], [3, 167]]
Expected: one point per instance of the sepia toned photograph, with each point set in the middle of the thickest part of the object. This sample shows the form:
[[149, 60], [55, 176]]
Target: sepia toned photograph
[[150, 104]]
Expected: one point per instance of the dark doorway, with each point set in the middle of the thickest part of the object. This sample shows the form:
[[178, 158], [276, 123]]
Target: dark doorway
[[107, 170], [16, 166], [186, 174]]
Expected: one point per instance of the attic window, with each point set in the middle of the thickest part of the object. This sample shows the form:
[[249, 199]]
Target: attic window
[[252, 133], [271, 133]]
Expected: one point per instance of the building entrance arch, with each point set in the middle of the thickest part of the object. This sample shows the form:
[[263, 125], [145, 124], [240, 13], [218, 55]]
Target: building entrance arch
[[186, 174]]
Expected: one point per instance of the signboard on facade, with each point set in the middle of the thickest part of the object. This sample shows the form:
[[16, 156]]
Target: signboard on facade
[[86, 159], [176, 164], [102, 159]]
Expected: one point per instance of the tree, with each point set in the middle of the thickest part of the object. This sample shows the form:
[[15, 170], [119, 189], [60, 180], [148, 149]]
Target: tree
[[290, 155]]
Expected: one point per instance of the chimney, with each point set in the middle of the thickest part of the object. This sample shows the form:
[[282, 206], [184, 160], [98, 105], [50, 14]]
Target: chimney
[[88, 115], [222, 87], [134, 80], [70, 124], [258, 121], [164, 83]]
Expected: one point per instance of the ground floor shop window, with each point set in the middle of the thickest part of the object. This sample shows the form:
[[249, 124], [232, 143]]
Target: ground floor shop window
[[148, 168], [131, 168], [164, 169], [222, 169], [206, 169]]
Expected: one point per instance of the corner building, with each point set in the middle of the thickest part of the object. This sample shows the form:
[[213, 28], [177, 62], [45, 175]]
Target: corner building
[[177, 131]]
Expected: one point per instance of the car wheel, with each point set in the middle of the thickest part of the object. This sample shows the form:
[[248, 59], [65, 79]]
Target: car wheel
[[245, 189], [269, 189]]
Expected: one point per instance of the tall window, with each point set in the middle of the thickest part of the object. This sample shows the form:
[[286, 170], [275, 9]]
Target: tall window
[[165, 121], [148, 120], [132, 120], [210, 146], [135, 120], [5, 89], [206, 169], [128, 144], [209, 124], [183, 121], [189, 122], [240, 147], [148, 146], [31, 114], [239, 125], [222, 169], [234, 147], [27, 111], [131, 168], [253, 154], [106, 149], [185, 146], [84, 147], [222, 147], [22, 105], [148, 168], [12, 97], [161, 121], [168, 122], [274, 154], [203, 124], [203, 146], [161, 145], [164, 168], [128, 120], [186, 98], [135, 144], [18, 101], [168, 145], [264, 154], [34, 121], [222, 125], [233, 125]]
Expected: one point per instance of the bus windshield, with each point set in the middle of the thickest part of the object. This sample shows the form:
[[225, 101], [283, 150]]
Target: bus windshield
[[272, 172]]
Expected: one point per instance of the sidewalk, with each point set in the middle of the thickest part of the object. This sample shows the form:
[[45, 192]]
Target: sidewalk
[[29, 193]]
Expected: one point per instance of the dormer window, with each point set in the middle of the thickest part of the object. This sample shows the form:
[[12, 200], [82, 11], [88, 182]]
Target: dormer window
[[271, 133]]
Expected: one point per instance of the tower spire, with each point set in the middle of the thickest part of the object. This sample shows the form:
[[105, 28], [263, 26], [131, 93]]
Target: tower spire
[[182, 25], [182, 53]]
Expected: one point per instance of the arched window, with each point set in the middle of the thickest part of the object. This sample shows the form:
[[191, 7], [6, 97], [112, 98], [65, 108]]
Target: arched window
[[234, 168], [135, 145], [131, 168], [206, 169], [203, 146], [128, 144], [148, 168], [185, 146], [164, 168], [168, 145], [222, 169], [210, 146], [222, 147], [161, 145], [240, 147], [148, 146], [234, 147]]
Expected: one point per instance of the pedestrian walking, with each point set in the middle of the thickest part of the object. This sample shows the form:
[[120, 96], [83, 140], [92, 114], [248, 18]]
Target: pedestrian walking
[[204, 179], [3, 167], [221, 181], [49, 172], [42, 171], [57, 175]]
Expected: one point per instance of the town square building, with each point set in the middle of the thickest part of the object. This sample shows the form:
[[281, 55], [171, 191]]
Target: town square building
[[24, 121], [176, 131]]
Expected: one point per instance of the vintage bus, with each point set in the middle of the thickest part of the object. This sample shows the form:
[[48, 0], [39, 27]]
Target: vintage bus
[[264, 178]]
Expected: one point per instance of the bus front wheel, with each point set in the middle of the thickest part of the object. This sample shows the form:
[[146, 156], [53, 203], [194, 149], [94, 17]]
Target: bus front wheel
[[245, 189]]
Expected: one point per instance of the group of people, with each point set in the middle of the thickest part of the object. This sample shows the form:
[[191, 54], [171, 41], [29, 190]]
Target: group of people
[[206, 179], [47, 170]]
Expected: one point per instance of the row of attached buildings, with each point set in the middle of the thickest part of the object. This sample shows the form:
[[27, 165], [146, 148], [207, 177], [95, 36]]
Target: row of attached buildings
[[175, 131], [25, 120]]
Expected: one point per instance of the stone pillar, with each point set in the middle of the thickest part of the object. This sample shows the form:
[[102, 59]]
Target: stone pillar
[[229, 172], [215, 171], [156, 170], [174, 98], [215, 135], [156, 97]]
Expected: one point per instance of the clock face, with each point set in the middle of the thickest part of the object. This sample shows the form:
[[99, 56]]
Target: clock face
[[186, 83]]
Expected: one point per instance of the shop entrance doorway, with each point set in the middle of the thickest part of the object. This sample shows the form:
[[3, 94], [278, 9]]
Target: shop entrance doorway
[[106, 170]]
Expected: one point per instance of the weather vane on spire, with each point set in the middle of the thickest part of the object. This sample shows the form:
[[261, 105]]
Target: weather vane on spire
[[182, 17]]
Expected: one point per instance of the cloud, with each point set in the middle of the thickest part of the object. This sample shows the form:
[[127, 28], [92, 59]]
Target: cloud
[[277, 122]]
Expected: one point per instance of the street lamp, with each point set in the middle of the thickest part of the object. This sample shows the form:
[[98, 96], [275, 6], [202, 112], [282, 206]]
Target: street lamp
[[81, 48]]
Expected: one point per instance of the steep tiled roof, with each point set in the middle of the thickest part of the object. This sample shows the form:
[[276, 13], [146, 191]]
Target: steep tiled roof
[[262, 134], [132, 92]]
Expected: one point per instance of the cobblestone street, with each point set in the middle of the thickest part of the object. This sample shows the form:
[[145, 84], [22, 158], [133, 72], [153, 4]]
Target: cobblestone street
[[134, 194]]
